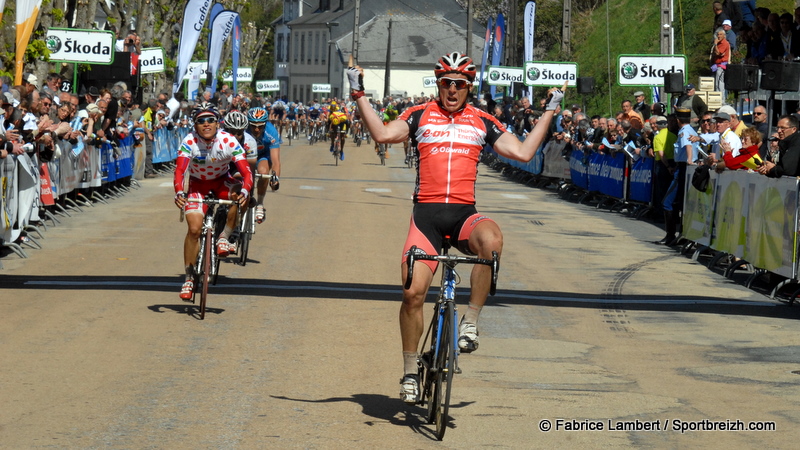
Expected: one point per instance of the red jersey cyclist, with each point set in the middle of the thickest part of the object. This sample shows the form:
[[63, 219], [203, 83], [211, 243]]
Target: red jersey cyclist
[[206, 153], [449, 135]]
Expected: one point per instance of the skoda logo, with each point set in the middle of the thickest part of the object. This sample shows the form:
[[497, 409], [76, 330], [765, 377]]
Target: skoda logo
[[629, 70], [53, 44], [533, 74], [494, 75]]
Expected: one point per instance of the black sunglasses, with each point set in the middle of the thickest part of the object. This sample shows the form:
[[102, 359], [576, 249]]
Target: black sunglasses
[[706, 121]]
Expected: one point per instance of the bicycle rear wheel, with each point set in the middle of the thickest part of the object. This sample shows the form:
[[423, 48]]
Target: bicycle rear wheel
[[245, 235], [444, 375], [206, 271]]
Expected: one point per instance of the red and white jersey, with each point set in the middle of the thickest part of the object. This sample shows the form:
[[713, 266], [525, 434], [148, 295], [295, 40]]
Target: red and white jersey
[[210, 160], [449, 147]]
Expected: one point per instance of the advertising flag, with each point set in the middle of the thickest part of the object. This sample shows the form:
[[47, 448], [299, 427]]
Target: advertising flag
[[497, 48], [486, 43], [529, 25], [237, 42], [220, 30], [27, 12], [194, 18]]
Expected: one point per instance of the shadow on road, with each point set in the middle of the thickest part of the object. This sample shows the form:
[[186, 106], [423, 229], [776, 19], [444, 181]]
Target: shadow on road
[[390, 292], [386, 409]]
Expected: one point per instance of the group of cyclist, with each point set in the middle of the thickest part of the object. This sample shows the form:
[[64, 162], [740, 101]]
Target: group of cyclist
[[449, 135], [220, 155]]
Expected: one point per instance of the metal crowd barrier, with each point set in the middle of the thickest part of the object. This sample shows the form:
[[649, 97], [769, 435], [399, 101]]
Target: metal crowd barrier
[[77, 177]]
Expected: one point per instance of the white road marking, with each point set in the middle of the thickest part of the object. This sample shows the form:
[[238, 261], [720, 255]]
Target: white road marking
[[377, 190], [312, 188], [516, 196]]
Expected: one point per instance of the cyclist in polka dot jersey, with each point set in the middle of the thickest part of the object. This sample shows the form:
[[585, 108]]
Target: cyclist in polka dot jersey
[[206, 154]]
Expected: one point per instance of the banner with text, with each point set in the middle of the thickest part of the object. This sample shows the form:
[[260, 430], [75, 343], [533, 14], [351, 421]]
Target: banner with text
[[80, 46], [503, 76], [648, 70], [151, 60], [542, 73], [268, 85]]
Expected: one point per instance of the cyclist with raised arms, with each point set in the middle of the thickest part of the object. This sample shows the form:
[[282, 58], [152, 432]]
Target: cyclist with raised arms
[[450, 135], [268, 142], [337, 123], [206, 153]]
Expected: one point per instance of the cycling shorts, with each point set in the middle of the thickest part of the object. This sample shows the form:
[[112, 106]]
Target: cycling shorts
[[431, 222], [221, 187]]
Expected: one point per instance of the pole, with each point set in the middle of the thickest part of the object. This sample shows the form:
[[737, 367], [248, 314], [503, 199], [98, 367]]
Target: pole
[[470, 12], [387, 72], [354, 50]]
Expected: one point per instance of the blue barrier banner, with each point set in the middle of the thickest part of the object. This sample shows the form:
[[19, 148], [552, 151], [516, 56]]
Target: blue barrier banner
[[613, 174], [161, 146], [578, 170], [125, 158], [641, 180], [108, 162], [595, 166], [607, 174]]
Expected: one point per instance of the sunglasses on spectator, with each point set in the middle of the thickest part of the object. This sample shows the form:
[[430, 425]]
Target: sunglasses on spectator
[[46, 103], [706, 121], [206, 120], [458, 83], [758, 113]]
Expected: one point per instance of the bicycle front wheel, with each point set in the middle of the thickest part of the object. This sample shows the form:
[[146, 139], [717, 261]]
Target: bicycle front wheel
[[245, 235], [445, 364], [206, 271]]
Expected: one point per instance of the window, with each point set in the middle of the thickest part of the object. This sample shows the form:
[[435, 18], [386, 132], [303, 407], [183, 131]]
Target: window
[[295, 47], [325, 50], [310, 45], [279, 45], [303, 48], [316, 48]]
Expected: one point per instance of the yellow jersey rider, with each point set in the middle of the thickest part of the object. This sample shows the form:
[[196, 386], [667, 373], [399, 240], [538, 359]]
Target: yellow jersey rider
[[337, 123]]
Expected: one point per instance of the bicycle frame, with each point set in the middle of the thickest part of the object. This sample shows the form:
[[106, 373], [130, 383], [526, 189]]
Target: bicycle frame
[[440, 363]]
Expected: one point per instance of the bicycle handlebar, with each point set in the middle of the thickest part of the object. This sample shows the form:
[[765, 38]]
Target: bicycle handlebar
[[412, 257], [211, 201]]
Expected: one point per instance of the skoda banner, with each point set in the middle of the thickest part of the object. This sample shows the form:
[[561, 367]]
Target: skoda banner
[[80, 46], [429, 82], [648, 70], [243, 75], [321, 88], [503, 76], [151, 60], [550, 74], [195, 66], [268, 85]]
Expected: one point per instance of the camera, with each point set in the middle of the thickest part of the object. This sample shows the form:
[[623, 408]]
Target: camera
[[773, 139]]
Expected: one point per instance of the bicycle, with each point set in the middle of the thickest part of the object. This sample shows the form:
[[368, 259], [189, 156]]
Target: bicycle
[[247, 225], [382, 153], [206, 267], [438, 364], [337, 146], [411, 151]]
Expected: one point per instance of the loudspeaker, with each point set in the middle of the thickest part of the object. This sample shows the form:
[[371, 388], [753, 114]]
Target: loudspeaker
[[741, 77], [585, 85], [673, 82], [780, 76], [119, 70]]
